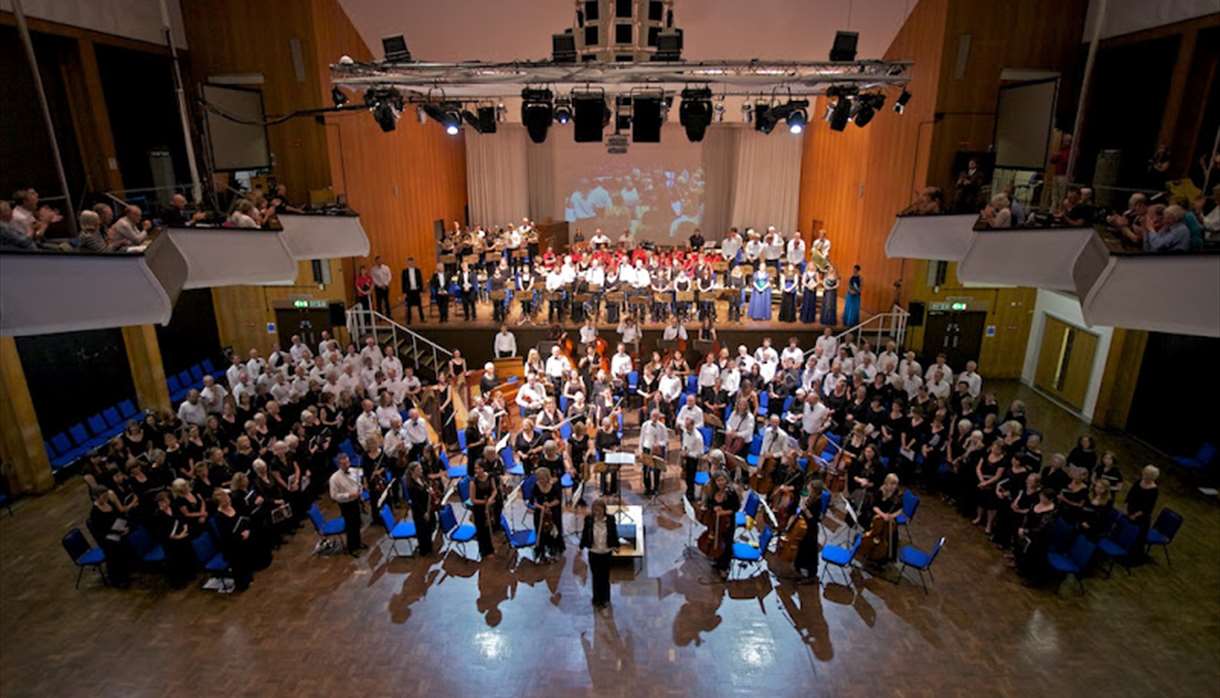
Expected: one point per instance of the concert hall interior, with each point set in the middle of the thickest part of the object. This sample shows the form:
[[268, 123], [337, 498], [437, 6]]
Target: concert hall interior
[[609, 347]]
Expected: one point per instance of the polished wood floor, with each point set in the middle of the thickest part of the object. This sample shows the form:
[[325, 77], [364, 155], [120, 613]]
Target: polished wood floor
[[373, 626]]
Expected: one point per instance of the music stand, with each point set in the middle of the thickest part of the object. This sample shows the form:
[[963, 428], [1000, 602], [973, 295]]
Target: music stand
[[656, 462], [620, 458], [689, 510]]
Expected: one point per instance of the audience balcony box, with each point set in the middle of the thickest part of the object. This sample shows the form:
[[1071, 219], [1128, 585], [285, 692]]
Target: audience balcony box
[[1060, 259], [43, 291], [937, 237], [1176, 292], [330, 235], [221, 256]]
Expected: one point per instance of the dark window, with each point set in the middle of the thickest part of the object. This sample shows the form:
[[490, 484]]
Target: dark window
[[590, 35], [622, 8], [653, 32], [622, 34], [655, 11], [592, 12]]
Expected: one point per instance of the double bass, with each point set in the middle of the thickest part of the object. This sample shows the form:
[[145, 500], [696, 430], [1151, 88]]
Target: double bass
[[719, 533]]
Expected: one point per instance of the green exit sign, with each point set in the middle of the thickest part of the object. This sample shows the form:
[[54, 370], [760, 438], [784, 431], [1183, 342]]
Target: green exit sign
[[957, 306], [300, 304], [304, 303]]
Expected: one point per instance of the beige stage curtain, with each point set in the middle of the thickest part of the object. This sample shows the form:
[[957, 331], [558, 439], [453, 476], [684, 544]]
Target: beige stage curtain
[[766, 179], [497, 176], [544, 204]]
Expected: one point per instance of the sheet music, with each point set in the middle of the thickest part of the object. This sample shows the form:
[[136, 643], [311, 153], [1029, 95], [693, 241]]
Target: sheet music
[[512, 496], [689, 510], [502, 442], [620, 458], [386, 494]]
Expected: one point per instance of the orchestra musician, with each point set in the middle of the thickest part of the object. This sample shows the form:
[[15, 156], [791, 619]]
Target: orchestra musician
[[423, 502], [720, 507], [483, 494], [654, 441], [810, 511], [600, 537]]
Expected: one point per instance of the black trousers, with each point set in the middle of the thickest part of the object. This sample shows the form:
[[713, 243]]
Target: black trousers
[[689, 467], [482, 528], [414, 300], [609, 481], [468, 304], [652, 476], [382, 296], [351, 523], [442, 307], [599, 569], [423, 535]]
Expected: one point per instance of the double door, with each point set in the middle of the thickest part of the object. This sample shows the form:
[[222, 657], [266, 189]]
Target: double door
[[956, 334]]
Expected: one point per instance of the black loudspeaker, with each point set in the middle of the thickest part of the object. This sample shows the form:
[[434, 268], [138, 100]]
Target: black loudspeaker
[[916, 309], [589, 117], [646, 119], [338, 314], [563, 47]]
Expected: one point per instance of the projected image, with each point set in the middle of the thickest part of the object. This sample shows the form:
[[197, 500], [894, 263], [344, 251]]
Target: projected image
[[655, 190], [654, 204]]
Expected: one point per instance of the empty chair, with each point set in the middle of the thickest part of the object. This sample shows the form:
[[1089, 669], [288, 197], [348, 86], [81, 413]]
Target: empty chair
[[210, 368], [455, 533], [328, 531], [184, 379], [461, 437], [82, 439], [708, 433], [143, 547], [565, 431], [176, 391], [113, 419], [83, 555], [748, 554], [692, 384], [98, 426], [396, 530], [127, 409], [910, 556], [1163, 531], [1120, 545], [524, 538], [196, 372], [910, 504], [510, 465], [1200, 461], [1075, 562], [451, 470], [749, 510], [840, 557], [65, 452], [211, 560]]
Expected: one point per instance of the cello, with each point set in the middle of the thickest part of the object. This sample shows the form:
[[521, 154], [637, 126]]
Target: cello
[[761, 480], [715, 540]]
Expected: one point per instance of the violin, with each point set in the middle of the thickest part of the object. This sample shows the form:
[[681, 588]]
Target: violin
[[603, 355]]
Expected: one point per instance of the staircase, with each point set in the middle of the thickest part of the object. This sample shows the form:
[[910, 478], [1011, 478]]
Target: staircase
[[877, 328], [426, 356]]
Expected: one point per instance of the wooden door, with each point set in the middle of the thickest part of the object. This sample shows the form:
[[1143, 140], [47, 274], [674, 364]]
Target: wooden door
[[1065, 361]]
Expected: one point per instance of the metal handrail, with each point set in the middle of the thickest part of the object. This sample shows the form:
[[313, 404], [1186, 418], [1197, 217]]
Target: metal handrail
[[361, 322], [894, 322]]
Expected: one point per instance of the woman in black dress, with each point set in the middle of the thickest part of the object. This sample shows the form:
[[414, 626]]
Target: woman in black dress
[[1084, 454], [1141, 500], [789, 286], [1074, 497], [1097, 510], [1108, 470], [1033, 537], [607, 440], [811, 513], [235, 539], [190, 506], [172, 533], [420, 498], [548, 515], [483, 495], [988, 472], [1018, 500], [577, 448], [887, 504], [109, 527]]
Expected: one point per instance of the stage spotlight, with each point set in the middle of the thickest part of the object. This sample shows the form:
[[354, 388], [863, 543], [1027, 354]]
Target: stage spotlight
[[865, 108], [473, 119], [563, 110], [452, 121], [536, 112], [449, 116], [900, 105], [337, 96], [647, 115], [798, 118], [589, 115], [386, 106], [695, 112], [839, 113], [764, 118], [487, 119]]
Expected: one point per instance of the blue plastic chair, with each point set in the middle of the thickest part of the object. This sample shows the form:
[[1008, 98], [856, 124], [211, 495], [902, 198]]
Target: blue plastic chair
[[97, 425], [1120, 545], [749, 510], [910, 556], [1200, 461], [196, 372], [563, 404], [692, 384], [748, 554], [524, 538], [144, 547], [527, 491], [326, 529], [211, 560], [112, 417], [702, 477], [65, 452], [456, 534], [708, 433], [463, 490], [461, 437], [511, 466], [840, 557], [910, 504], [565, 431], [127, 409], [210, 368], [82, 439], [451, 471], [1163, 531], [1075, 562], [1062, 536], [83, 555], [184, 379], [763, 402], [396, 530]]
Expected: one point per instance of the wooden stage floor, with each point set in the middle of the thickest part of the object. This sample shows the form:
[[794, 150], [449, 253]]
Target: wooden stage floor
[[374, 626]]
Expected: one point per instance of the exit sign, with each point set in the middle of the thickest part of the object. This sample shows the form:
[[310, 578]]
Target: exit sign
[[304, 303]]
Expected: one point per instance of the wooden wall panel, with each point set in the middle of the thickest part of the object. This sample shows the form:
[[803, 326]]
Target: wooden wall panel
[[400, 182], [854, 181]]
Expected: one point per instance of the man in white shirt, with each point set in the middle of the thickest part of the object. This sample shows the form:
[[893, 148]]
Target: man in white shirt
[[775, 439], [599, 239], [191, 411], [739, 430], [281, 390], [827, 343], [815, 417], [670, 387], [530, 397], [630, 332], [415, 435], [938, 387], [907, 361], [386, 411], [730, 378], [690, 411], [673, 331], [745, 362], [796, 249], [256, 365], [773, 247], [392, 441], [345, 491], [940, 365], [243, 387], [913, 382], [654, 440], [708, 373], [557, 366], [693, 448], [213, 395], [887, 361], [974, 382], [793, 352], [233, 373], [731, 246], [366, 424], [833, 378], [620, 364], [505, 343], [381, 285]]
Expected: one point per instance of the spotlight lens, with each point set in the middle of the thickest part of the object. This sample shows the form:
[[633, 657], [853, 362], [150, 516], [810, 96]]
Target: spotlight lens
[[451, 130], [795, 128]]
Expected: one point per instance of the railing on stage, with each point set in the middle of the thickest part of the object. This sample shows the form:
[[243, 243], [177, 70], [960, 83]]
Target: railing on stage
[[891, 324], [362, 322]]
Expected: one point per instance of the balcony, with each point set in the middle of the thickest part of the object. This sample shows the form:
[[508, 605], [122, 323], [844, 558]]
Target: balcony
[[939, 237], [229, 256], [1177, 293], [1061, 259], [310, 236], [43, 292]]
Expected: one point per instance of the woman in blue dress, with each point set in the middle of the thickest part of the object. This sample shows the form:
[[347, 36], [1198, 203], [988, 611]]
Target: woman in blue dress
[[851, 302], [830, 298], [760, 295], [809, 299]]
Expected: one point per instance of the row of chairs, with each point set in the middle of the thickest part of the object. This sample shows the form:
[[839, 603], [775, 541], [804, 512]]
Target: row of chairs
[[145, 551], [192, 378], [1072, 554]]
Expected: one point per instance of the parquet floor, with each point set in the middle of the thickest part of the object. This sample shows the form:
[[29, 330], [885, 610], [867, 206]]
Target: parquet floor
[[338, 626]]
